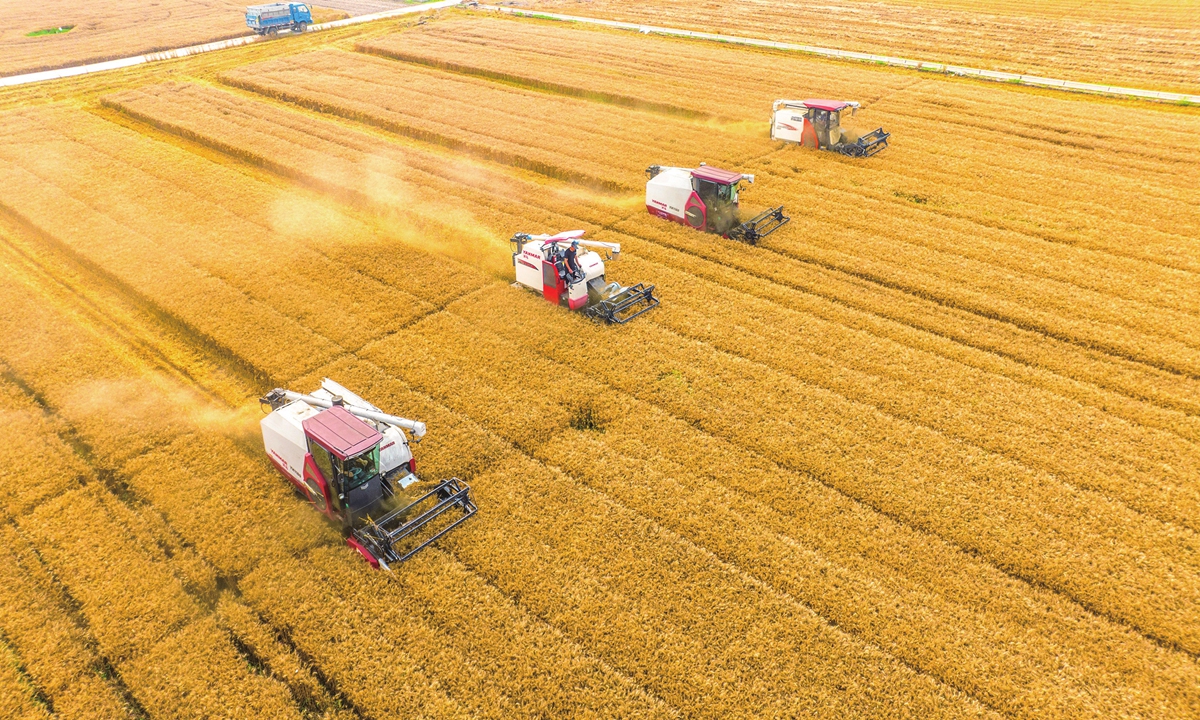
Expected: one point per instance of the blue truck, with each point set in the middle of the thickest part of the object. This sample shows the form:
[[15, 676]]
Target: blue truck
[[270, 19]]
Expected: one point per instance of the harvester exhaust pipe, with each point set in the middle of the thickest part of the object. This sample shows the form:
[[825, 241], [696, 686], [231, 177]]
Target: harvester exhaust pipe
[[279, 397]]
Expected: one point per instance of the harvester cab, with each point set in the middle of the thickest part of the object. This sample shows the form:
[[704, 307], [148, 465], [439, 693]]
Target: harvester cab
[[820, 124], [706, 198], [354, 464], [540, 264]]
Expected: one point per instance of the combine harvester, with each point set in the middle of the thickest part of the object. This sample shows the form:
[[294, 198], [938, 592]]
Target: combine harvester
[[353, 463], [706, 198], [540, 263], [818, 124]]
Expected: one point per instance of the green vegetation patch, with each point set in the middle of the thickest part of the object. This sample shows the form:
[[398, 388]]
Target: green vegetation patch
[[50, 31]]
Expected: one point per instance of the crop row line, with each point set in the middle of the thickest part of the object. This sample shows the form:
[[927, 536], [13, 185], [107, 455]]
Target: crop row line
[[965, 340], [330, 686], [923, 529], [924, 66], [119, 489], [72, 610], [1093, 344], [728, 565]]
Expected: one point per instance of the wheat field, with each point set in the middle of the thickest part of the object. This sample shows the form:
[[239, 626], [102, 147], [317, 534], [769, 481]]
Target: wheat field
[[931, 450], [1151, 44]]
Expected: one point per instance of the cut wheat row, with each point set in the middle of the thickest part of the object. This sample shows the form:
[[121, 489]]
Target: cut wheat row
[[937, 126], [1133, 47], [165, 476], [1163, 340]]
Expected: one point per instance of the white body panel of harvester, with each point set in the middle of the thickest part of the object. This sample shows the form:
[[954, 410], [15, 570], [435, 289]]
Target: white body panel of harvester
[[669, 191], [283, 437], [788, 125], [539, 264], [283, 431], [532, 268]]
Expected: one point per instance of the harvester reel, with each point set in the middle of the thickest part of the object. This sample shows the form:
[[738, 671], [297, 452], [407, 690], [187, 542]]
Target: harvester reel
[[622, 304]]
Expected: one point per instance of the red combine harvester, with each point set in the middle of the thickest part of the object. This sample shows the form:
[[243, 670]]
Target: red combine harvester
[[540, 264], [818, 124], [353, 463], [706, 198]]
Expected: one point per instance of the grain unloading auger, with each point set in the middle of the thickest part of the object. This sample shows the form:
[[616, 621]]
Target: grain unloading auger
[[706, 198], [818, 124], [541, 264], [354, 464]]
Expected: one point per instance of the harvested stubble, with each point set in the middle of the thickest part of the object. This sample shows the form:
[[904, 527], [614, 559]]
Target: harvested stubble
[[1104, 459], [1007, 258], [774, 548], [322, 154], [1144, 44], [1027, 521], [568, 138]]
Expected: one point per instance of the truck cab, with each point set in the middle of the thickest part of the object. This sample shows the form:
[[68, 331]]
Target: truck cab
[[270, 19]]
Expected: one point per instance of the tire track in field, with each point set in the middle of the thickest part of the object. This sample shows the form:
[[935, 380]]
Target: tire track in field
[[1073, 599], [372, 207], [36, 692], [714, 557], [999, 565], [924, 294], [120, 490], [70, 608]]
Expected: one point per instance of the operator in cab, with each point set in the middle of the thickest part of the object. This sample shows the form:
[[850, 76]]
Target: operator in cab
[[571, 261]]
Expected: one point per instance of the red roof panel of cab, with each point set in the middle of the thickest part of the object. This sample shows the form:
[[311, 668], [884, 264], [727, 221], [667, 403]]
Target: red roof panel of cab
[[830, 105], [341, 432], [712, 174]]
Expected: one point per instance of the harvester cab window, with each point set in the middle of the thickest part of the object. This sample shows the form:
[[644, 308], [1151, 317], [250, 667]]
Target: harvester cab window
[[355, 471], [710, 191], [821, 117], [321, 457], [834, 118]]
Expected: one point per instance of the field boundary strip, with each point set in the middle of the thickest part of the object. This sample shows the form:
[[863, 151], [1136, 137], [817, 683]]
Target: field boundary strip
[[923, 65], [75, 70]]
